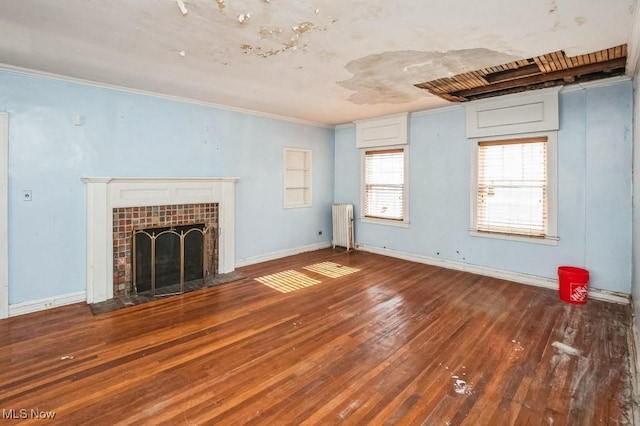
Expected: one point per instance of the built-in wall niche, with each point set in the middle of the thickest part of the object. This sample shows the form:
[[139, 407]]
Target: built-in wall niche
[[297, 177]]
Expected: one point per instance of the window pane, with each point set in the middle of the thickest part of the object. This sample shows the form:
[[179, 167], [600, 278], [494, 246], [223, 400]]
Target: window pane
[[384, 184], [512, 187]]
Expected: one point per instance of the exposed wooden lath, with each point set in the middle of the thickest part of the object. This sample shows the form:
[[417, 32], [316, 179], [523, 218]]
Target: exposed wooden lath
[[548, 70]]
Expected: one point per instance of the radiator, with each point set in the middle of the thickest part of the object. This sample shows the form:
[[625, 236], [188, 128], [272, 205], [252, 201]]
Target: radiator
[[343, 226]]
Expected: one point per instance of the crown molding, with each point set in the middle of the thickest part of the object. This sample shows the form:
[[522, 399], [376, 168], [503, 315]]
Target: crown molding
[[595, 83], [438, 110], [59, 77], [633, 45]]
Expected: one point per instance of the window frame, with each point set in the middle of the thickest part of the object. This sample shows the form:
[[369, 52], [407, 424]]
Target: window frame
[[551, 228], [404, 222]]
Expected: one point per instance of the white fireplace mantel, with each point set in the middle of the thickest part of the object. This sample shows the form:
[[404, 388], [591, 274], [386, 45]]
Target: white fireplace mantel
[[106, 193]]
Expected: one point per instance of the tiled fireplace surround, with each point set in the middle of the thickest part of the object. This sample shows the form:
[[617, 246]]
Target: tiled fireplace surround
[[113, 203], [128, 219]]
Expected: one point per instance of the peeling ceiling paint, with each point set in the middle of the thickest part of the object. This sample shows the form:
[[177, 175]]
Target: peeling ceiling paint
[[389, 77], [325, 61], [285, 39]]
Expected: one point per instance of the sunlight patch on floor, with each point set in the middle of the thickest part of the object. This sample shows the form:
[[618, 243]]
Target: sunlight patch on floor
[[287, 281], [330, 269]]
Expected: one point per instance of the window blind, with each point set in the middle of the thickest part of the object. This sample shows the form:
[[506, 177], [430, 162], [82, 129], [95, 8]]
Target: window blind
[[384, 184], [512, 186]]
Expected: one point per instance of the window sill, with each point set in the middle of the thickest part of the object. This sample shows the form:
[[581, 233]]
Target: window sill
[[389, 222], [548, 241], [296, 206]]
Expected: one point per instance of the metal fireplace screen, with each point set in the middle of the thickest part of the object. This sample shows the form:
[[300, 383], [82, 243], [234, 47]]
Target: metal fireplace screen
[[166, 258]]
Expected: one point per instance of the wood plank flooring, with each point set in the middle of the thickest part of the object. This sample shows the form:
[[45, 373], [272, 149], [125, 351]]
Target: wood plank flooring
[[393, 343]]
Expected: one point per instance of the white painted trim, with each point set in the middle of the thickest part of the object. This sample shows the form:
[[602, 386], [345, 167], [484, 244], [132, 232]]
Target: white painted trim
[[633, 44], [385, 222], [517, 277], [535, 111], [594, 83], [4, 215], [454, 107], [52, 76], [280, 254], [547, 241], [46, 303], [124, 179], [104, 194], [552, 189], [404, 223], [307, 170], [383, 131]]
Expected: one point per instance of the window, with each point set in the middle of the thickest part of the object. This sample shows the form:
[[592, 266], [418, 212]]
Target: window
[[514, 189], [384, 195], [297, 177]]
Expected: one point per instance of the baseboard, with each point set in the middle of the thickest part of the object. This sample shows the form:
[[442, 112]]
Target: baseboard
[[47, 303], [282, 253], [517, 277]]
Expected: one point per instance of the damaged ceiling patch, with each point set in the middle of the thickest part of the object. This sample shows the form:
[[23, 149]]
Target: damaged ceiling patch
[[275, 40], [243, 18], [182, 7], [548, 70], [389, 77]]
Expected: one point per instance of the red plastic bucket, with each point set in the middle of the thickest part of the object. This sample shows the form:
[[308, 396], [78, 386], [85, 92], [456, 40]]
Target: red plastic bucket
[[574, 284]]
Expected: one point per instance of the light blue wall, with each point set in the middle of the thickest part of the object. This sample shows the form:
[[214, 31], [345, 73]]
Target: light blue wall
[[594, 190], [635, 287], [127, 134]]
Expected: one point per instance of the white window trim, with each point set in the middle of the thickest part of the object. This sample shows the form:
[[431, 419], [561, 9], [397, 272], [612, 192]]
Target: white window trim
[[552, 189], [308, 190], [405, 189]]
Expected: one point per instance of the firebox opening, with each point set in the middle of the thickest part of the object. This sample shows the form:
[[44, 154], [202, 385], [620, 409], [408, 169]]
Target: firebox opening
[[165, 257]]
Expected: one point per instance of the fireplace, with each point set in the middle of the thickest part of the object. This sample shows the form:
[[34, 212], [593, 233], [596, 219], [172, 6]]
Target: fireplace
[[162, 240], [165, 258], [116, 207]]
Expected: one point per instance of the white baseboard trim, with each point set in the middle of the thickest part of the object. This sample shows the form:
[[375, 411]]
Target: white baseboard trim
[[46, 303], [282, 253], [517, 277]]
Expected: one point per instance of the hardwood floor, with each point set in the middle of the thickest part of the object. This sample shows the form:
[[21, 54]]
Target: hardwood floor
[[394, 343]]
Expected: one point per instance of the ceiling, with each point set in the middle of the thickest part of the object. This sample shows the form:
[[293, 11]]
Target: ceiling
[[320, 61]]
